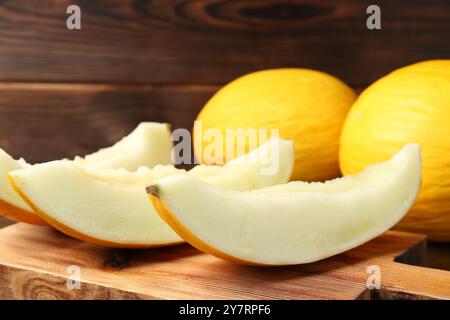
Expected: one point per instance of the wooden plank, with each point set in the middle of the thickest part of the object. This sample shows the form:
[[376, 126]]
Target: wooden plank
[[214, 41], [34, 262], [42, 122]]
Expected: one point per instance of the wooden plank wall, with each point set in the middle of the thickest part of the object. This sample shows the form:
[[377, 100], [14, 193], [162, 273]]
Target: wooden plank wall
[[66, 92]]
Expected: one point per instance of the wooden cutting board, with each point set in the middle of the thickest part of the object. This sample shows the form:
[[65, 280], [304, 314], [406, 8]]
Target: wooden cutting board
[[34, 264]]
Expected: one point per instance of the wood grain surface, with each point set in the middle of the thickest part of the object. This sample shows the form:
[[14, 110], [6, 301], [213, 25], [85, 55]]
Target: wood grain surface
[[214, 41], [43, 122], [65, 92], [34, 262], [68, 92]]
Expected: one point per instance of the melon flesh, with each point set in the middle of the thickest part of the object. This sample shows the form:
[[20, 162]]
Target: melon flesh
[[6, 192], [292, 223], [111, 208], [11, 204], [147, 145], [254, 169]]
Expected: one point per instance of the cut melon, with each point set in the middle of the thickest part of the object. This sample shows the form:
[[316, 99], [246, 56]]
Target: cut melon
[[147, 145], [11, 204], [292, 223], [270, 164], [110, 207]]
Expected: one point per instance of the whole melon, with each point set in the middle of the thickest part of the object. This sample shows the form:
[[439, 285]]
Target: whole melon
[[411, 104], [306, 106]]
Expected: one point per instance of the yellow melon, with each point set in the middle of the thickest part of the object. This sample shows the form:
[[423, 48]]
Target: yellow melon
[[411, 104], [306, 106]]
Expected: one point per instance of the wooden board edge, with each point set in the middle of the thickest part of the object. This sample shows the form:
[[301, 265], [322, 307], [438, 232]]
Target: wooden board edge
[[30, 284]]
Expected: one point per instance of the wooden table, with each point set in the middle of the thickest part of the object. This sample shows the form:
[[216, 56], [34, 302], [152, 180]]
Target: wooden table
[[34, 264]]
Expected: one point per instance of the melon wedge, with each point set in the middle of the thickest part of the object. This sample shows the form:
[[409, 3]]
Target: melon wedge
[[110, 207], [147, 145], [11, 204], [292, 223], [270, 164]]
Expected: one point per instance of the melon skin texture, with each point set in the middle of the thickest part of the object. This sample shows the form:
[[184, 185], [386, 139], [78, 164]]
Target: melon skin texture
[[292, 223], [306, 106], [110, 207], [148, 144], [410, 105]]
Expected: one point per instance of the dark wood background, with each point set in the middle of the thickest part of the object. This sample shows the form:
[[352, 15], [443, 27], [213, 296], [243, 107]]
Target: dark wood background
[[65, 92], [69, 92]]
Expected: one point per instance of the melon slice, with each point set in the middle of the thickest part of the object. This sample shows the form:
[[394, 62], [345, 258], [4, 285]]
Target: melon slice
[[11, 204], [292, 223], [147, 145], [110, 207], [270, 164]]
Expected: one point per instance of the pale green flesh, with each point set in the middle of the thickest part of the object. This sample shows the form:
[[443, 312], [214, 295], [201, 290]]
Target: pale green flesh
[[7, 193], [112, 205], [149, 144], [296, 222]]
